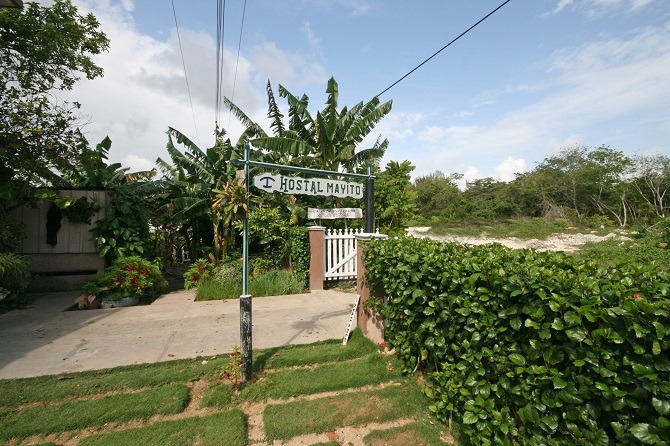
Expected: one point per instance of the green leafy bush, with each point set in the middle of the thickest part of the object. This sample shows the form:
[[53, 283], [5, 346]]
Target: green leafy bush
[[199, 270], [522, 347], [130, 276], [13, 272]]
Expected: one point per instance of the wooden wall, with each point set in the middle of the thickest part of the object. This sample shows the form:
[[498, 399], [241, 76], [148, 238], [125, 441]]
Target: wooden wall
[[74, 260]]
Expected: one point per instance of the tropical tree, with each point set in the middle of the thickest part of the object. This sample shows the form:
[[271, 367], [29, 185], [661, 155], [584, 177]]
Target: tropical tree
[[202, 186], [325, 141]]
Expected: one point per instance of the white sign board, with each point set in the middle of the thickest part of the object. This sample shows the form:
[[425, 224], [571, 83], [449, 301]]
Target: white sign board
[[308, 186], [331, 214]]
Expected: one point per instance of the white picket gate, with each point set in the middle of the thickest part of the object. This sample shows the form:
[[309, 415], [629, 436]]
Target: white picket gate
[[341, 253]]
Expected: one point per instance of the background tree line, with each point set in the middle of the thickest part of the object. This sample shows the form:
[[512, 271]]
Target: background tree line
[[581, 184]]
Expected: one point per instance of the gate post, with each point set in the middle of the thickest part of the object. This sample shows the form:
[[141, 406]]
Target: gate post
[[370, 322], [317, 257]]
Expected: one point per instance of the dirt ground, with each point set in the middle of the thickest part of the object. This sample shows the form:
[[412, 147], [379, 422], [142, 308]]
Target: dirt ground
[[558, 242]]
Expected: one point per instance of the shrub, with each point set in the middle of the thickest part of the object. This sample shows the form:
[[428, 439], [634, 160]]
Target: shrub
[[130, 276], [522, 347], [13, 272], [200, 270]]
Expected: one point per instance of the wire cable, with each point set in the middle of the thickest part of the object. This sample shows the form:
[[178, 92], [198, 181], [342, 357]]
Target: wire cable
[[237, 61], [220, 30], [183, 63], [444, 47]]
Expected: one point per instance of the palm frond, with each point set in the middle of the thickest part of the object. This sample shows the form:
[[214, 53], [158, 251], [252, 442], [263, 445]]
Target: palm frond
[[275, 115], [370, 115]]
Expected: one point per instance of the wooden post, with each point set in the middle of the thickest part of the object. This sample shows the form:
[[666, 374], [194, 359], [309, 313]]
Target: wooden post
[[317, 258]]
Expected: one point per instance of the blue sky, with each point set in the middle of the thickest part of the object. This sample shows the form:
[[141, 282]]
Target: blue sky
[[538, 76]]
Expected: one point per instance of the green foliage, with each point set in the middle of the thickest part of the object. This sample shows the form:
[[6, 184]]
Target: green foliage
[[124, 231], [43, 50], [530, 348], [13, 272], [394, 198], [267, 234], [199, 271], [12, 234], [437, 195], [523, 228], [298, 241], [131, 276], [641, 250], [79, 211], [268, 283]]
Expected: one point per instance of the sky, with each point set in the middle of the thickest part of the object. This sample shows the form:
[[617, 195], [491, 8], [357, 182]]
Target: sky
[[536, 77]]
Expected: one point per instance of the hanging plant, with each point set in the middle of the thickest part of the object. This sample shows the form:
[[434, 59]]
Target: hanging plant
[[79, 211]]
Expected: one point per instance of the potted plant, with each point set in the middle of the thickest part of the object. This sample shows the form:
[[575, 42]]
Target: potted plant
[[125, 282]]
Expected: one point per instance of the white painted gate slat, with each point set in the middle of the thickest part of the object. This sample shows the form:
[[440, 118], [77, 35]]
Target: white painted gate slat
[[341, 253]]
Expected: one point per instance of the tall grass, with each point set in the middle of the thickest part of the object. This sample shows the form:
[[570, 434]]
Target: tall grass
[[269, 283]]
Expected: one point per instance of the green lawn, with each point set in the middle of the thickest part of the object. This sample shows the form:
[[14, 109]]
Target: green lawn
[[313, 394]]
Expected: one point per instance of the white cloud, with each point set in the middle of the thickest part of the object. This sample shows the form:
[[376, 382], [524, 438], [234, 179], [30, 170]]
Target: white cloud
[[505, 171], [143, 90], [464, 114], [285, 67], [594, 7], [137, 164], [314, 41]]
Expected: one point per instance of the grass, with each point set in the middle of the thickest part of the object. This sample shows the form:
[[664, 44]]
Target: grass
[[66, 386], [298, 390], [284, 421], [640, 250], [269, 283], [523, 228], [74, 415], [226, 428]]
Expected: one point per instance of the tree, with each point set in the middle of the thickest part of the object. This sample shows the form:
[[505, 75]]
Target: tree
[[326, 141], [394, 197], [43, 50], [488, 199], [652, 182], [438, 196]]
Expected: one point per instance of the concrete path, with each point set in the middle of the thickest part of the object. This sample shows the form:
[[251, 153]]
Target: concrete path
[[44, 339]]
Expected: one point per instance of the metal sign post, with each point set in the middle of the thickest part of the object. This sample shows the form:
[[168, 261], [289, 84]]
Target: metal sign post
[[245, 298], [293, 186]]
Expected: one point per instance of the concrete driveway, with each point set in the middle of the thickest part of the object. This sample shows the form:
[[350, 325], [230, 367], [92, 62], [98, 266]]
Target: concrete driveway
[[45, 339]]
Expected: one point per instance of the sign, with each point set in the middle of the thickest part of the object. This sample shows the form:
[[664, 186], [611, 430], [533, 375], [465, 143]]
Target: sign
[[351, 320], [331, 214], [308, 186]]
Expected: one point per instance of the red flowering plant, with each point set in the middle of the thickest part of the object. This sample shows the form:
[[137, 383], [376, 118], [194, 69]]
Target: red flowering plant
[[132, 277], [199, 270]]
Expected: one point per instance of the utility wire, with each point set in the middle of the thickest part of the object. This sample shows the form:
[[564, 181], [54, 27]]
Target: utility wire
[[220, 28], [188, 88], [444, 47], [237, 62]]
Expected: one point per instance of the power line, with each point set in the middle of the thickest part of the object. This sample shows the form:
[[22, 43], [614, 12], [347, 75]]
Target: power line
[[444, 47], [220, 28], [237, 61], [188, 87]]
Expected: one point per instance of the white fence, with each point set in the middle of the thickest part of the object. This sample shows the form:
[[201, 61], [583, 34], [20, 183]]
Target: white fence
[[341, 253]]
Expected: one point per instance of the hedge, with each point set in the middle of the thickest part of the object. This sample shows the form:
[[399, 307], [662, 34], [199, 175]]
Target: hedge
[[523, 347]]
